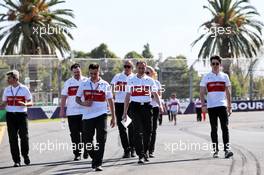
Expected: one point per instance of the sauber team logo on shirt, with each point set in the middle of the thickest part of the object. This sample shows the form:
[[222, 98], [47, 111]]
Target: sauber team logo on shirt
[[140, 90], [14, 100], [95, 95], [120, 86], [174, 103], [217, 86], [72, 90]]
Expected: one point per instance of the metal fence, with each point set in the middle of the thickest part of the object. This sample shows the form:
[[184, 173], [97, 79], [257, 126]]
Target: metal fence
[[45, 75]]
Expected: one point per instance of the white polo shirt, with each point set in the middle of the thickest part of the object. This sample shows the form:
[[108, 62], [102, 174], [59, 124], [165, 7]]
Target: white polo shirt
[[70, 89], [99, 92], [141, 88], [198, 103], [13, 95], [120, 86], [167, 103], [174, 105], [153, 102], [215, 85]]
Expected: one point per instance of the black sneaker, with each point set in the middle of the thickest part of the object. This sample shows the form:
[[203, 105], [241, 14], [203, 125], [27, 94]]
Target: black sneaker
[[26, 160], [146, 158], [228, 154], [77, 158], [99, 168], [151, 155], [140, 161], [93, 166], [85, 155], [216, 155], [17, 164], [126, 155]]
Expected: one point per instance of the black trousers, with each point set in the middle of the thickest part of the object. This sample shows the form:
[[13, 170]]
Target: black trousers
[[127, 138], [98, 124], [169, 115], [75, 126], [214, 114], [155, 116], [17, 125], [142, 123], [160, 119], [199, 114]]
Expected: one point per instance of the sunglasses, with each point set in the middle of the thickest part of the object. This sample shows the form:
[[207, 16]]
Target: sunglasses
[[127, 66], [147, 73], [215, 64]]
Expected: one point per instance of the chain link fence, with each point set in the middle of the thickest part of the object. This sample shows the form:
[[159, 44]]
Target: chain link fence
[[46, 74]]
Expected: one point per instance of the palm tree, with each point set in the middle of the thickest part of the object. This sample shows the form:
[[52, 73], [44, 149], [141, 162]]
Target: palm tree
[[233, 31], [35, 27]]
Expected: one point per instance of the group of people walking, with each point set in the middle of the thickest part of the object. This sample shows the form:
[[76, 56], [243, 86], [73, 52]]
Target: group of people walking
[[136, 96]]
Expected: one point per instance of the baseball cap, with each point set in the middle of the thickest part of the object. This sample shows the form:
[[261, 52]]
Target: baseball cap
[[13, 73]]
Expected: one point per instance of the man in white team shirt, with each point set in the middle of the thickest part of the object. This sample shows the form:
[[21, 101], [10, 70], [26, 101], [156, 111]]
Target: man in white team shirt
[[16, 98], [73, 111], [140, 89], [96, 93], [174, 104], [218, 87], [119, 83]]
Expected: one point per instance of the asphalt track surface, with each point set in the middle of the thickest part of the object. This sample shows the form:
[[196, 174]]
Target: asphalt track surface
[[183, 149]]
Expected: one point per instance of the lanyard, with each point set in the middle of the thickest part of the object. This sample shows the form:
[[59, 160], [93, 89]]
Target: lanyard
[[91, 85], [14, 100]]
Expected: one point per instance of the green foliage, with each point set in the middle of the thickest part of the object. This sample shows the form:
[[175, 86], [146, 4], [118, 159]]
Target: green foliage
[[146, 52], [35, 27], [133, 54], [3, 69], [237, 89], [80, 54], [232, 31], [102, 51], [259, 88], [240, 82], [175, 75]]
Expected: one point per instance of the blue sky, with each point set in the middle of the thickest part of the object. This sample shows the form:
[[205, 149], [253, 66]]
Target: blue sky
[[169, 26]]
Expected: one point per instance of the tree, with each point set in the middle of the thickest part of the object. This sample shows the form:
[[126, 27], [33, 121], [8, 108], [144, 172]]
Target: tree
[[175, 76], [81, 54], [259, 87], [3, 69], [232, 31], [146, 52], [102, 51], [133, 54], [239, 85], [35, 27]]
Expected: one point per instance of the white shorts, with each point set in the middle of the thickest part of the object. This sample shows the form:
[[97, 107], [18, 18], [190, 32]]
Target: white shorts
[[174, 112]]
